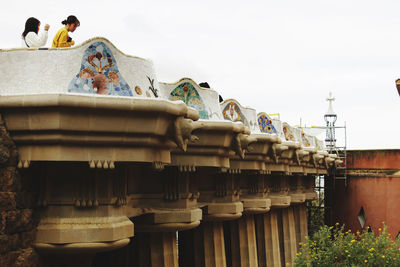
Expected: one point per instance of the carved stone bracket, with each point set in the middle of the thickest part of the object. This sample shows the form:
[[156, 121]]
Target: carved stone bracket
[[241, 143], [279, 191], [102, 164], [23, 164], [120, 187], [183, 129], [221, 189], [303, 155], [171, 186], [177, 183], [187, 168], [85, 192], [158, 165], [234, 171], [273, 154]]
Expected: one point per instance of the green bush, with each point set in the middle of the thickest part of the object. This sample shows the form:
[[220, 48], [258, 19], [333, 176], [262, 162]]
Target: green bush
[[332, 246], [315, 215]]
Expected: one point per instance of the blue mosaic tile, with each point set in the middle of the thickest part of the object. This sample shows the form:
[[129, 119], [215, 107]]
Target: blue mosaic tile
[[265, 124], [189, 95], [99, 73]]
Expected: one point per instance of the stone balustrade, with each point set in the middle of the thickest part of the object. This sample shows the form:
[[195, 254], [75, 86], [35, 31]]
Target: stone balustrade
[[121, 160]]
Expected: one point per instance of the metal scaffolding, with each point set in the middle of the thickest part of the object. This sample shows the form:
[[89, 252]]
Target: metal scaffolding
[[325, 184]]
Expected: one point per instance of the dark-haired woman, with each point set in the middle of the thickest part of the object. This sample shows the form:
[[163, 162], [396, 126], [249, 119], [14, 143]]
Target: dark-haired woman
[[62, 39], [31, 36]]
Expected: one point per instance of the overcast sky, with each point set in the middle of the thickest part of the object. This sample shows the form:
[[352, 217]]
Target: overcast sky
[[275, 56]]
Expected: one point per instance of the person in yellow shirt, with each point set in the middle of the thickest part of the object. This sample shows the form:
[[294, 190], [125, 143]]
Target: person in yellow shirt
[[62, 39]]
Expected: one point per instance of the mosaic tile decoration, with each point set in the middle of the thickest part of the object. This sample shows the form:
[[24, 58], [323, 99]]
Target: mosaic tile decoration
[[278, 126], [319, 144], [265, 124], [99, 73], [232, 112], [305, 140], [287, 131], [312, 141], [189, 95], [152, 88]]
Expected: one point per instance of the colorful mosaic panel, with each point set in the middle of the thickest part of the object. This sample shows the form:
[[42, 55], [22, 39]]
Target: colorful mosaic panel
[[289, 136], [265, 124], [232, 112], [189, 95], [99, 73], [304, 140]]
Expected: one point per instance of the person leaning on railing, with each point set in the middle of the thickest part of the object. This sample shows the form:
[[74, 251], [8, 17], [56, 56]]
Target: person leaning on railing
[[62, 39], [31, 37]]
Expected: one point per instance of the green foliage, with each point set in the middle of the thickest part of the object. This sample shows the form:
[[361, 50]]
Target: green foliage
[[332, 246], [315, 215]]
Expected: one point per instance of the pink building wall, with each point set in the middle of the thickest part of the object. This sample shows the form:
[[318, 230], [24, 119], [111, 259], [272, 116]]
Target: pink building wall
[[374, 184]]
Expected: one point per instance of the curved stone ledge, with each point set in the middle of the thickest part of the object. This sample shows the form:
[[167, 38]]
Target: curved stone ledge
[[80, 248], [168, 220], [218, 217], [310, 170], [61, 127], [296, 169], [297, 198], [215, 142], [257, 153], [280, 168], [162, 216], [222, 211], [254, 211], [256, 205], [279, 201], [83, 229], [311, 195], [166, 227]]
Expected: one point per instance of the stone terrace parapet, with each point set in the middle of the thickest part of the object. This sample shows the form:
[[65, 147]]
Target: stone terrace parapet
[[114, 154]]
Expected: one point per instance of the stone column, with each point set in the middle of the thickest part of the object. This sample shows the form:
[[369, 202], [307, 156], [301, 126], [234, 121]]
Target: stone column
[[243, 246], [289, 234], [80, 213], [203, 246], [267, 234], [171, 206], [65, 260], [155, 249], [300, 214]]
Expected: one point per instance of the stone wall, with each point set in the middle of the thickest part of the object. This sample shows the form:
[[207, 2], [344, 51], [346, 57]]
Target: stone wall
[[17, 222]]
